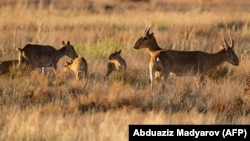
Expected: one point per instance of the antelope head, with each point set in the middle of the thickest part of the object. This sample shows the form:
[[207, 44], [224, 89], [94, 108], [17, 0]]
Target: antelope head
[[229, 50], [147, 41], [114, 55], [70, 51], [67, 64]]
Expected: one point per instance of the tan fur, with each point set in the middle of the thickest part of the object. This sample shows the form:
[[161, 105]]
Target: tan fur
[[45, 55], [182, 63], [78, 66], [116, 62], [155, 66]]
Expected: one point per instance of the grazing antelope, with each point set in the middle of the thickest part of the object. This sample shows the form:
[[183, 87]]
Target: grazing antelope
[[45, 55], [182, 63], [116, 62], [6, 65], [78, 65]]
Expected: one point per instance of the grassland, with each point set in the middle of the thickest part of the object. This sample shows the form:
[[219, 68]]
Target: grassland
[[36, 107]]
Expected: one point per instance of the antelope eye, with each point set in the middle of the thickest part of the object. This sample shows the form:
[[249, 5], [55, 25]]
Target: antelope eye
[[145, 38]]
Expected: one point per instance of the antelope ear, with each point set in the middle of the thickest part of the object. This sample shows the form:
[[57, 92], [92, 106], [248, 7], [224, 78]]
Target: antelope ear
[[119, 51], [63, 43], [152, 34], [68, 43]]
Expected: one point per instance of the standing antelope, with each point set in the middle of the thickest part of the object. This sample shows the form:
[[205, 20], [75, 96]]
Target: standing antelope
[[182, 63], [78, 65], [45, 55], [116, 62]]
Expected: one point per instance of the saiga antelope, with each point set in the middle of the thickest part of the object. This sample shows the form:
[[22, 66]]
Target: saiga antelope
[[182, 63], [116, 62], [45, 55], [79, 66]]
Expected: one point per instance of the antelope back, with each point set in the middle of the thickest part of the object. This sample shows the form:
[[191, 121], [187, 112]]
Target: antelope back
[[30, 53], [115, 55], [37, 55], [78, 64]]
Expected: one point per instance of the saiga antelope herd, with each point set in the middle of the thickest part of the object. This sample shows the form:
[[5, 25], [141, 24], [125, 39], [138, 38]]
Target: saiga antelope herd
[[162, 61]]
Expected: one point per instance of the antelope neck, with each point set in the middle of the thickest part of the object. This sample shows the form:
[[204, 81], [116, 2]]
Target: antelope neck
[[154, 49], [217, 58], [60, 53]]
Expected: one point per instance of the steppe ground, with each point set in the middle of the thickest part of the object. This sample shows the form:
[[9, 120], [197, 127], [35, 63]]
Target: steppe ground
[[36, 107]]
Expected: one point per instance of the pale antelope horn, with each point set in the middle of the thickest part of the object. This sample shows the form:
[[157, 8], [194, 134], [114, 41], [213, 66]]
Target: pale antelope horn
[[225, 42], [146, 29], [231, 40], [148, 26]]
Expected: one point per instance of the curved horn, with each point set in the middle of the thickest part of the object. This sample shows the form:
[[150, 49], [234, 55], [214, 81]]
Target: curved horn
[[148, 26], [225, 42], [231, 40]]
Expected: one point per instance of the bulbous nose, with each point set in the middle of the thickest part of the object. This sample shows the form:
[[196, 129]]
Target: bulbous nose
[[138, 43]]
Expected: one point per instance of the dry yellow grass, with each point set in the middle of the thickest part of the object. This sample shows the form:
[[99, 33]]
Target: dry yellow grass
[[36, 107]]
